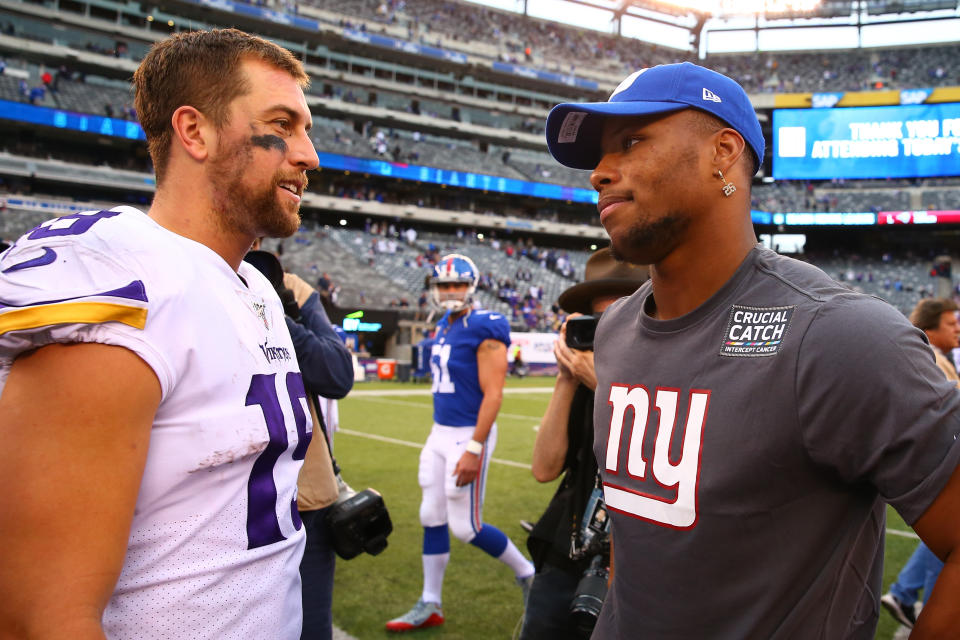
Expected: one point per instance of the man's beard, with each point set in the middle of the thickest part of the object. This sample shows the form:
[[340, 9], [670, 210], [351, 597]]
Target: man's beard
[[246, 208], [649, 243]]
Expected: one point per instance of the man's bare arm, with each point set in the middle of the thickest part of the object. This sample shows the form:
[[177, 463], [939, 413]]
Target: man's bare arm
[[492, 375], [75, 425], [939, 528], [550, 447], [573, 369]]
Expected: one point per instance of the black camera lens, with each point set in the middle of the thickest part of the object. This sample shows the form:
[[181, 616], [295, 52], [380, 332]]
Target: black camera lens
[[580, 332], [588, 600]]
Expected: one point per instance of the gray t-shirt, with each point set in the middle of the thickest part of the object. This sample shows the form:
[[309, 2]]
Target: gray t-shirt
[[747, 449]]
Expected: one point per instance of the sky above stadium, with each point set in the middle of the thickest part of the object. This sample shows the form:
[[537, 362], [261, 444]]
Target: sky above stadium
[[738, 34]]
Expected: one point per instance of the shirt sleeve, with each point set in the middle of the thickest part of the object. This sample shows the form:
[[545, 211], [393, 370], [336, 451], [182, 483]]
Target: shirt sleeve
[[60, 291], [579, 426], [873, 405], [496, 329], [324, 361]]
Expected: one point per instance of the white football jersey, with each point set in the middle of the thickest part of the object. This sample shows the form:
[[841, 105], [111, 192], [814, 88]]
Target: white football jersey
[[216, 540]]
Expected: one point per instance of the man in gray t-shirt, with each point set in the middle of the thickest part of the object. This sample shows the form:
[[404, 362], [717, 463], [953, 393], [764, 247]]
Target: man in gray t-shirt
[[757, 415]]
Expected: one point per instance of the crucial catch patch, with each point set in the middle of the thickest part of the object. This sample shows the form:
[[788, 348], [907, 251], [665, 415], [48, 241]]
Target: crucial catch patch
[[755, 331]]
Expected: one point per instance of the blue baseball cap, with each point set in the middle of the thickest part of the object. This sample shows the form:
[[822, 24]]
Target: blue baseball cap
[[573, 129]]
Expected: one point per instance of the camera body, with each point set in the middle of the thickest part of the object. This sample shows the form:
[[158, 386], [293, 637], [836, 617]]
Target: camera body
[[593, 537], [580, 332], [358, 521], [591, 541]]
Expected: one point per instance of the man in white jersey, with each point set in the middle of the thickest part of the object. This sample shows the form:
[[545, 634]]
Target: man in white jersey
[[752, 417], [152, 414]]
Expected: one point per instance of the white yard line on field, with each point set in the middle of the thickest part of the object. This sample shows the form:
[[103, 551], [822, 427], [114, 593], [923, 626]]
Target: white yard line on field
[[419, 445], [427, 392], [903, 534], [340, 634], [429, 407]]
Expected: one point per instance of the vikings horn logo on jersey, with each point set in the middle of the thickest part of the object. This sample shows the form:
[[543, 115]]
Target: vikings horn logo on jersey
[[260, 309]]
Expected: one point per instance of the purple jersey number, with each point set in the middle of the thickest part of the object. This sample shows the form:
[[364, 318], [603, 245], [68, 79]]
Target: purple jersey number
[[263, 527], [71, 225]]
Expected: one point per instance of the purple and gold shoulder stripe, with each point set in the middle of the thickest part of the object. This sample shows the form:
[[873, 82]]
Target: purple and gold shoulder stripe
[[126, 305]]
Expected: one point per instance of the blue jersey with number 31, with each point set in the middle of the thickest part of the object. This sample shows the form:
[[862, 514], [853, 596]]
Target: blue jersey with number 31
[[453, 363]]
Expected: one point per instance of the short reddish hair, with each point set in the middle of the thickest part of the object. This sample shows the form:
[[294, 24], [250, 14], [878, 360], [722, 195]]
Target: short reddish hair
[[201, 69]]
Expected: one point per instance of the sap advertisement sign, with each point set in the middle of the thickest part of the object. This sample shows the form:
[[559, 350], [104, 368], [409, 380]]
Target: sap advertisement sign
[[867, 142]]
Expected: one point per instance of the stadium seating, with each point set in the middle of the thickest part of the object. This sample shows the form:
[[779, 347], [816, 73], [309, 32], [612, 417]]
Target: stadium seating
[[900, 278], [101, 98], [412, 110], [376, 270], [602, 56]]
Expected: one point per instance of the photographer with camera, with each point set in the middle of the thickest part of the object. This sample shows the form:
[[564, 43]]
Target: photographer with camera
[[569, 544]]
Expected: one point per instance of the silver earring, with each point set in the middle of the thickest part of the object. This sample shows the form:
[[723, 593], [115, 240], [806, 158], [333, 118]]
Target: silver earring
[[728, 187]]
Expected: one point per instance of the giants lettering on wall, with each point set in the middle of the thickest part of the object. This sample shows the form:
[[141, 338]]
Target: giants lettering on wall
[[677, 506]]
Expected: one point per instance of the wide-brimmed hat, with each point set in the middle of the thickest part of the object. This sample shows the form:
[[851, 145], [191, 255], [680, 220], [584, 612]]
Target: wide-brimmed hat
[[603, 276]]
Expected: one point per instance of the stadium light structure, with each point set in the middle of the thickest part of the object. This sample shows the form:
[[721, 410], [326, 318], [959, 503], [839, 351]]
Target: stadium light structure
[[720, 8]]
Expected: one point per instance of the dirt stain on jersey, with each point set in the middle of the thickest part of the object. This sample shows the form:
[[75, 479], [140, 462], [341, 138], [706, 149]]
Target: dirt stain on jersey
[[220, 458]]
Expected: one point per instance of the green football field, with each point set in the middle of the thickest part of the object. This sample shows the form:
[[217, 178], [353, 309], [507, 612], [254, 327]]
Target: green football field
[[382, 426]]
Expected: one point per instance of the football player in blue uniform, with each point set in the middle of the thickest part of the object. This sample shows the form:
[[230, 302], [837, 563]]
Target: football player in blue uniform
[[469, 365]]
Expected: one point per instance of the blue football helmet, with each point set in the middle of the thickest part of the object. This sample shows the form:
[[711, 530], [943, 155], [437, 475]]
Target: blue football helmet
[[454, 268]]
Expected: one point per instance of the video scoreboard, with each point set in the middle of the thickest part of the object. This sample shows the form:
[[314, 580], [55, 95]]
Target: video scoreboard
[[904, 141]]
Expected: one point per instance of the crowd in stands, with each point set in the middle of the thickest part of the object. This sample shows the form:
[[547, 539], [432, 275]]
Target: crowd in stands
[[96, 156], [775, 197], [521, 277], [517, 274], [529, 42], [520, 40], [453, 200], [432, 109], [901, 276], [67, 90], [858, 196], [414, 147], [828, 196], [923, 67], [284, 6], [541, 44], [513, 270], [64, 88], [848, 70]]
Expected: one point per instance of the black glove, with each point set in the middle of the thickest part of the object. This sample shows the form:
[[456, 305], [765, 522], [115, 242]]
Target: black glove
[[290, 306]]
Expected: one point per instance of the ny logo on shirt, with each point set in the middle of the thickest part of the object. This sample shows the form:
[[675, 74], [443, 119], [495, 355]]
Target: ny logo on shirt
[[678, 509]]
